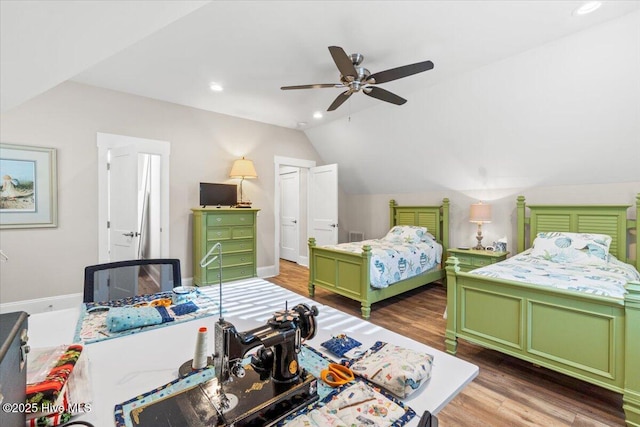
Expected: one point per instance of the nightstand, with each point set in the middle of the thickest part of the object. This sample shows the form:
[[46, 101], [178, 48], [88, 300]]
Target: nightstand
[[471, 259]]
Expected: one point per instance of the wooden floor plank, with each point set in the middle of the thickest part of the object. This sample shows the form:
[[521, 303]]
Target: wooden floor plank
[[508, 392]]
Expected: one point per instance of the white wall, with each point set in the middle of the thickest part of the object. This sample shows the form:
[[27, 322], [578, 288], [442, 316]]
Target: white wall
[[50, 262], [371, 212]]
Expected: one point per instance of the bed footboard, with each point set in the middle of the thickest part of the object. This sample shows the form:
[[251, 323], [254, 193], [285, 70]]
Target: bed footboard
[[595, 339]]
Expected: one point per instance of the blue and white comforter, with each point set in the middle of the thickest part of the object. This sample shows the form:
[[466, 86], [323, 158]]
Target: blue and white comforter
[[395, 260], [596, 276]]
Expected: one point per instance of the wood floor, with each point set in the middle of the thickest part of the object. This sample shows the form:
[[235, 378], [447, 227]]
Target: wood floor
[[507, 392]]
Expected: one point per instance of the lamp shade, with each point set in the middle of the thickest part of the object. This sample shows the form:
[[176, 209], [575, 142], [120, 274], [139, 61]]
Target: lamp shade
[[243, 168], [480, 213]]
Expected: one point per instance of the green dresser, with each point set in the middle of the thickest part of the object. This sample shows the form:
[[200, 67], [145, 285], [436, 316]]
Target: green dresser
[[235, 229]]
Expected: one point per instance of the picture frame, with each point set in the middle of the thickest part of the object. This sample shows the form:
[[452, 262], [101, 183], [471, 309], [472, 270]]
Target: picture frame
[[28, 187]]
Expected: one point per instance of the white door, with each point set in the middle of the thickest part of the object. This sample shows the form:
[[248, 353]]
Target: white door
[[289, 213], [124, 233], [323, 204]]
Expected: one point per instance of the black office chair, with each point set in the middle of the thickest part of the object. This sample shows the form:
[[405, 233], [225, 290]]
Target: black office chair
[[123, 279]]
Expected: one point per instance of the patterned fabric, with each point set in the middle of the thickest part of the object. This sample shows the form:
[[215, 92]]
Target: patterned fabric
[[397, 369], [595, 276], [46, 392], [341, 344], [92, 323], [124, 318], [571, 247], [409, 234], [393, 260], [356, 404]]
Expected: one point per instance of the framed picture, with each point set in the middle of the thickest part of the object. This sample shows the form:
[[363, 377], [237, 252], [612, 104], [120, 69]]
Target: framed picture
[[28, 187]]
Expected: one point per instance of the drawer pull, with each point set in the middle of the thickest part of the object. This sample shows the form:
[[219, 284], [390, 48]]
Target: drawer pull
[[219, 219], [219, 233]]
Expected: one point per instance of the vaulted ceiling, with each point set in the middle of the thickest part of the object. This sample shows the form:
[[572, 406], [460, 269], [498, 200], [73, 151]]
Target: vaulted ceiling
[[174, 50]]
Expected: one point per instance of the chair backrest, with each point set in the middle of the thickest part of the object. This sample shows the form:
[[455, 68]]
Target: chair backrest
[[123, 279]]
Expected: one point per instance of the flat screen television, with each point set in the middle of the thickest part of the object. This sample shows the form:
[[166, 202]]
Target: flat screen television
[[218, 194]]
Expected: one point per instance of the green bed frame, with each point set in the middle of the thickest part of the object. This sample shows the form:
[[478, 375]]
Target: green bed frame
[[348, 274], [589, 337]]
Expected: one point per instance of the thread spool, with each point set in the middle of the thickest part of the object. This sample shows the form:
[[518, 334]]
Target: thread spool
[[202, 349]]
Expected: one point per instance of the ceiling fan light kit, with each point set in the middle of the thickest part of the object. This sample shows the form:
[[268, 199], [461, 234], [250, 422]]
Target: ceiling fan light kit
[[355, 78]]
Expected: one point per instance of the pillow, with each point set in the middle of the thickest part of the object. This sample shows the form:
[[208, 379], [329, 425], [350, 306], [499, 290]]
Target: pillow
[[571, 247], [397, 369], [408, 234]]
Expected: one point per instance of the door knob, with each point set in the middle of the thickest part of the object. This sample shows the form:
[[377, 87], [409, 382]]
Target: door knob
[[131, 234], [333, 225], [295, 221]]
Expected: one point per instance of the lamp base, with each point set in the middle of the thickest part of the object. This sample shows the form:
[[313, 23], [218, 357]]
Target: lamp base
[[478, 248], [243, 205]]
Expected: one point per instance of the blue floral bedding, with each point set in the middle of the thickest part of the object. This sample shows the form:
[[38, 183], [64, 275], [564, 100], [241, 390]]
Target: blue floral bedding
[[395, 259], [593, 276]]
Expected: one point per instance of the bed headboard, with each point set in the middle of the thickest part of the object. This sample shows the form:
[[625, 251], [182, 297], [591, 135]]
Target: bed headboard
[[435, 218], [601, 219]]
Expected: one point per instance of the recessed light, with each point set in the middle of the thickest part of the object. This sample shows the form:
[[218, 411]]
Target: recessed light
[[317, 115], [587, 7], [216, 87]]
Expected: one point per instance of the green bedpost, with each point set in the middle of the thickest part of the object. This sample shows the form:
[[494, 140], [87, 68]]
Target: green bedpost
[[631, 392], [521, 238], [637, 231], [365, 281], [445, 226], [392, 213], [312, 244], [450, 338]]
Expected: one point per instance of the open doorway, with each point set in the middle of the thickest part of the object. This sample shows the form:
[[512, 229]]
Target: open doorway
[[315, 208], [133, 198]]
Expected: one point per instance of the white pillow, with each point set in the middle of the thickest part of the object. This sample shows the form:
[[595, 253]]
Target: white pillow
[[571, 247], [408, 234]]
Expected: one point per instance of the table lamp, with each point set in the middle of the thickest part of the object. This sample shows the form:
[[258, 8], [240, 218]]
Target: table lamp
[[480, 213], [243, 169]]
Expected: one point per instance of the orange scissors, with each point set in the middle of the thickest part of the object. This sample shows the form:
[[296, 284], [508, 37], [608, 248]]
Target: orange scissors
[[336, 375]]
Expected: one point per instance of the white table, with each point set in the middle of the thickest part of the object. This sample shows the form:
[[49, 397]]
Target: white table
[[125, 367]]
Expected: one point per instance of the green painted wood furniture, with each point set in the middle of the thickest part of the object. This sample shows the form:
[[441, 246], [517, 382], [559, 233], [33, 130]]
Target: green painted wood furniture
[[236, 230], [589, 337], [348, 274], [469, 259]]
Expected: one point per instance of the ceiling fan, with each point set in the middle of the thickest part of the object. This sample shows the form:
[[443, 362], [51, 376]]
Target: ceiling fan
[[356, 78]]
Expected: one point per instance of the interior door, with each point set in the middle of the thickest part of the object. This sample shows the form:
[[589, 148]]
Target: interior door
[[123, 204], [289, 213], [323, 204]]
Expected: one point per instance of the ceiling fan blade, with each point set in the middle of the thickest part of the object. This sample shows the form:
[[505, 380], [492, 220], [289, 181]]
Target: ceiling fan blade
[[313, 86], [384, 95], [343, 62], [339, 100], [399, 72]]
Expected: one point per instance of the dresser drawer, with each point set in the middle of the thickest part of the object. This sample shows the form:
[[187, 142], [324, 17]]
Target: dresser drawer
[[222, 219], [226, 233], [230, 246], [233, 259], [463, 259], [481, 262], [230, 273]]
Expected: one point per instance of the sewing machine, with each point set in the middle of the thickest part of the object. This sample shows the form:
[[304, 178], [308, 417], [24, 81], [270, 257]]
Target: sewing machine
[[273, 384], [260, 393]]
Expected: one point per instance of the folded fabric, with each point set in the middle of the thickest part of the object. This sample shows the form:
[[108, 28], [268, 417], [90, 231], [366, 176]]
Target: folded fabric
[[356, 405], [340, 344], [184, 308], [399, 370], [124, 318], [46, 392]]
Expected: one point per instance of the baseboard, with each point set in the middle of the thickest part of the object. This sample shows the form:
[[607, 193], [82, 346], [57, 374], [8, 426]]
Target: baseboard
[[269, 271], [41, 305], [303, 261]]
